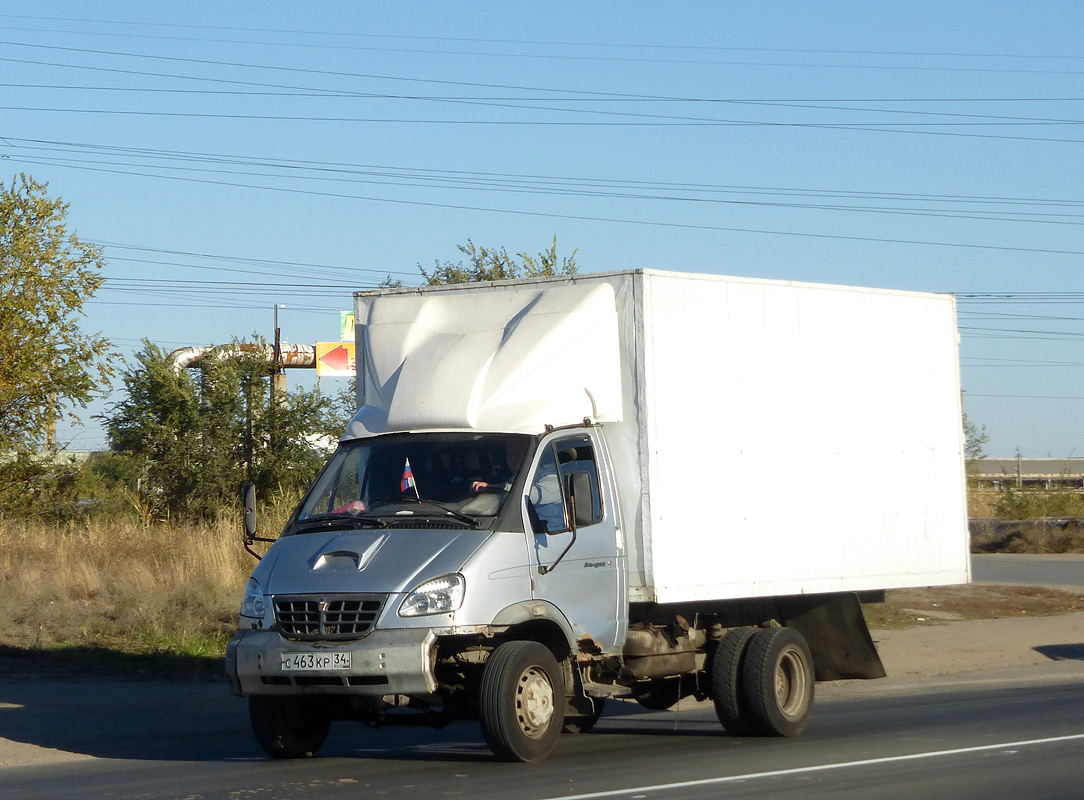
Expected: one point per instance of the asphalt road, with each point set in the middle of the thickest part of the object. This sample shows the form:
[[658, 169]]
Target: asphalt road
[[1009, 738], [1018, 735], [1057, 570]]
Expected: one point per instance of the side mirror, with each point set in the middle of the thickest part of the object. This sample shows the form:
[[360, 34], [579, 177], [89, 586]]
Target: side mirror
[[582, 497], [248, 502], [578, 489]]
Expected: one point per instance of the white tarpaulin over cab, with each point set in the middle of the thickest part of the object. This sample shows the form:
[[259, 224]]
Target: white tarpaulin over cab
[[510, 360]]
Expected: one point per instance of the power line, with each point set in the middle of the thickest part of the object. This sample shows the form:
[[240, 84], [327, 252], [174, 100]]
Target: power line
[[658, 121], [584, 217], [195, 302], [240, 259], [306, 71], [916, 129], [1003, 315], [374, 76], [538, 42], [475, 177], [1034, 298], [1043, 218], [516, 103], [278, 272], [234, 270], [1028, 396], [1016, 363], [327, 93]]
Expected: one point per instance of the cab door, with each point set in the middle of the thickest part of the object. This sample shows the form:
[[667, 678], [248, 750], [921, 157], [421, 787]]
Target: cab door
[[580, 571]]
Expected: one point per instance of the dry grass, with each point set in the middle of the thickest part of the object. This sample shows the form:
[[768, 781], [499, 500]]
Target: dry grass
[[1033, 521], [1027, 536], [161, 589], [1025, 504]]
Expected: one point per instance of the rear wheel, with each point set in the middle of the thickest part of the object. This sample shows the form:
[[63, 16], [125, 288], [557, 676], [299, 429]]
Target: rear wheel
[[726, 681], [286, 726], [522, 701], [777, 682]]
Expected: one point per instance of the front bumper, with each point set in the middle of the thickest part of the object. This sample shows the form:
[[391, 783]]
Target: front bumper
[[384, 662]]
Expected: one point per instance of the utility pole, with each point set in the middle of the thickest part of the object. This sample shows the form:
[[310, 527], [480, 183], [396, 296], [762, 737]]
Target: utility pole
[[50, 426], [278, 374]]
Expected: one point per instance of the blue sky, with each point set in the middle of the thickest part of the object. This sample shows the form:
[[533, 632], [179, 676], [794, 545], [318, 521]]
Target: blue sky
[[231, 156]]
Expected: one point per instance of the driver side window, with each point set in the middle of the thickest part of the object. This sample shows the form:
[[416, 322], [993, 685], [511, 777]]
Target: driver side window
[[545, 502], [546, 505]]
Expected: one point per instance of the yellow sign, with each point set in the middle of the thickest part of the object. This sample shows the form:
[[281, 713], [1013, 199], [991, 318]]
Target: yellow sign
[[335, 359]]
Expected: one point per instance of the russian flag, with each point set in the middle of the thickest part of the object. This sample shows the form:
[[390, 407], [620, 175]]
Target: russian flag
[[408, 479]]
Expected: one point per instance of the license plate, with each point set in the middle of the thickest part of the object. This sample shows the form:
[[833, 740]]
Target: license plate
[[306, 662]]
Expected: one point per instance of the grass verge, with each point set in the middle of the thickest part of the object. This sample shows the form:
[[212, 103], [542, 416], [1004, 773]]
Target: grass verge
[[118, 596], [123, 600]]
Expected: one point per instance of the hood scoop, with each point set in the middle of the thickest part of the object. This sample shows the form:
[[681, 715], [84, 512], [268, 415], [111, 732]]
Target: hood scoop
[[335, 558]]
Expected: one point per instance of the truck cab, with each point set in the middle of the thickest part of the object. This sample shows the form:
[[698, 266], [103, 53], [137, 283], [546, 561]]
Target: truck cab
[[413, 555]]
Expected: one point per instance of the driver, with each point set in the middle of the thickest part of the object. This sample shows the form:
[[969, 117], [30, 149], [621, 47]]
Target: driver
[[514, 451]]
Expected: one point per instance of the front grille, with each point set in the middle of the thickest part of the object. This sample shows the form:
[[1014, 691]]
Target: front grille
[[311, 617]]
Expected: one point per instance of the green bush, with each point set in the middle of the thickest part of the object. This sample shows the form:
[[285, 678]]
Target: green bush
[[1037, 504]]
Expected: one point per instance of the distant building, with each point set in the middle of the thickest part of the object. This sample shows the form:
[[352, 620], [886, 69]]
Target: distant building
[[1022, 473]]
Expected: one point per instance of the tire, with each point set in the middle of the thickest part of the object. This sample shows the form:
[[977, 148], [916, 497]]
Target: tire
[[663, 693], [777, 682], [287, 726], [582, 723], [521, 701], [726, 673]]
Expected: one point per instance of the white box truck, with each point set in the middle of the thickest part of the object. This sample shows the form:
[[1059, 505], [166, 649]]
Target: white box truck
[[641, 484]]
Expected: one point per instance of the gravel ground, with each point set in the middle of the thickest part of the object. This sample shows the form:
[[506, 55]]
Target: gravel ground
[[953, 629], [941, 648]]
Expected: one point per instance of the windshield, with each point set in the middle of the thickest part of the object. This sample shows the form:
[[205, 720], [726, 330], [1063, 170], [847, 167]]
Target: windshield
[[447, 473]]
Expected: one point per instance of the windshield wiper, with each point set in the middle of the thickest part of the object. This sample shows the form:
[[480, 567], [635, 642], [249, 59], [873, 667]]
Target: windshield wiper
[[321, 520], [451, 512]]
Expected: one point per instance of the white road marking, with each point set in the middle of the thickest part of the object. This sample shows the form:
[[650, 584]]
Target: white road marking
[[661, 787]]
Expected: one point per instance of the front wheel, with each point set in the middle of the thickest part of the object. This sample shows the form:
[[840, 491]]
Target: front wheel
[[286, 726], [521, 701], [777, 682]]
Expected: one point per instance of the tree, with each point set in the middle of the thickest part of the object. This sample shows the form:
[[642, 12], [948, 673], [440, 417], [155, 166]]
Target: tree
[[47, 364], [491, 264], [974, 438], [195, 438]]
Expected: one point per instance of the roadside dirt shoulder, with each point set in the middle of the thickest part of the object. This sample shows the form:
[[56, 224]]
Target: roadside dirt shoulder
[[952, 629], [980, 644]]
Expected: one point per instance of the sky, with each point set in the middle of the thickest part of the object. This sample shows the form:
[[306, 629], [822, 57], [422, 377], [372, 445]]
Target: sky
[[231, 157]]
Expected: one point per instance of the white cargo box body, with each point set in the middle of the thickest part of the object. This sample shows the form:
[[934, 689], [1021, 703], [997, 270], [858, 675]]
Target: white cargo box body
[[769, 438]]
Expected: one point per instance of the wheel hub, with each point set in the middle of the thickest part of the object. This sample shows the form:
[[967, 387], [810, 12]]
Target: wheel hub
[[534, 701], [790, 684]]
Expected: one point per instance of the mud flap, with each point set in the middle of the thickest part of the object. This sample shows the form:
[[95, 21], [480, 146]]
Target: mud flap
[[836, 631]]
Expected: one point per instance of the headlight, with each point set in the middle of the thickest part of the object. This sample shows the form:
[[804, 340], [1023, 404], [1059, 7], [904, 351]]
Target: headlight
[[254, 604], [438, 596]]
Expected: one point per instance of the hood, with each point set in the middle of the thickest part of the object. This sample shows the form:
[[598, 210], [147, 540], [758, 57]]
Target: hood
[[378, 561]]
